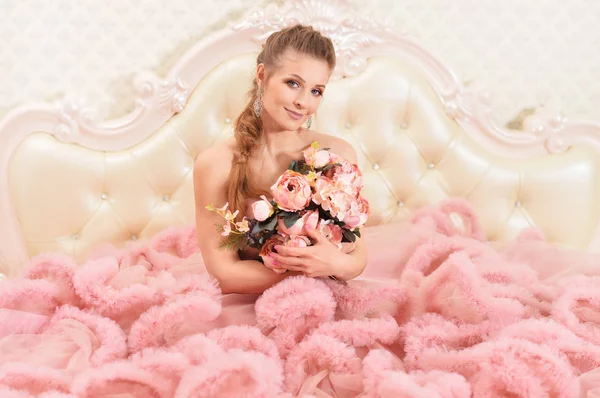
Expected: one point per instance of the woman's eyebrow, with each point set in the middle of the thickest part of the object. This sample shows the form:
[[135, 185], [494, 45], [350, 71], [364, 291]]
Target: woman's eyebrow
[[304, 81]]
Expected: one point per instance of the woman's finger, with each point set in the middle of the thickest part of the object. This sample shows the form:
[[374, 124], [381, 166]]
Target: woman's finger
[[292, 268], [290, 251], [316, 235], [286, 260], [348, 247]]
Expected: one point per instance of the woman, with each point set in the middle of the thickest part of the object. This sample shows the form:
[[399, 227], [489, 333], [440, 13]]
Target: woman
[[291, 77]]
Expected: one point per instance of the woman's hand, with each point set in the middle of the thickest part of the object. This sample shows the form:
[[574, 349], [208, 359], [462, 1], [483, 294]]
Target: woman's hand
[[348, 247], [323, 258]]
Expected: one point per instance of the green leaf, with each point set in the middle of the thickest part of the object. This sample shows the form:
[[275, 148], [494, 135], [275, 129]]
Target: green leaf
[[269, 223], [329, 167], [256, 228], [348, 235], [357, 232], [290, 218], [292, 165]]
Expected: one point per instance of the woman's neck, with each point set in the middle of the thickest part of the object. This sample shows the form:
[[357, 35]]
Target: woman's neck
[[275, 142]]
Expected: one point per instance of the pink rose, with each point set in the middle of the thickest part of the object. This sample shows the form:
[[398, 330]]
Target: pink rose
[[309, 218], [317, 158], [357, 214], [262, 209], [291, 191], [268, 248], [331, 231], [321, 159]]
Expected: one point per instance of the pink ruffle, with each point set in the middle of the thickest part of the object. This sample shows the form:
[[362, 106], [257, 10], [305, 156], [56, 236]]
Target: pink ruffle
[[439, 312]]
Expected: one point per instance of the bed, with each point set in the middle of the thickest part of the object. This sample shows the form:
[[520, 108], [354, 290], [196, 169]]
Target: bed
[[69, 183]]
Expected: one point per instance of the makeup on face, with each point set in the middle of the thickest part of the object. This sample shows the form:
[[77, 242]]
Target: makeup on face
[[295, 90]]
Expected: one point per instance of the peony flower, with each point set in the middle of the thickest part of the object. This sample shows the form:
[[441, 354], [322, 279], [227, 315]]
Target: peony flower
[[324, 187], [292, 191], [357, 214], [262, 209], [268, 248], [347, 176], [340, 202], [310, 218], [332, 198], [331, 231]]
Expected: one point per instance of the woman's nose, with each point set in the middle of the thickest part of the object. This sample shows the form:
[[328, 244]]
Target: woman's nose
[[301, 100]]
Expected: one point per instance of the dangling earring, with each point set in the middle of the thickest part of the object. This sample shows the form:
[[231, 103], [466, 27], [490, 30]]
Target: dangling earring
[[258, 103], [308, 122]]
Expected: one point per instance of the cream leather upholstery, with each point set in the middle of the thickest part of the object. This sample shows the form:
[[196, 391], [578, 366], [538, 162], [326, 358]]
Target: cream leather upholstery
[[70, 198]]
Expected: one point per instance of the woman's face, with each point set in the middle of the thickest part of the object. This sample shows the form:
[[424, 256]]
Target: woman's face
[[294, 90]]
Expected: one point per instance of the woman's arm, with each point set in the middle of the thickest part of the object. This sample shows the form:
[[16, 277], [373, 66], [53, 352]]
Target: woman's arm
[[211, 173], [352, 264]]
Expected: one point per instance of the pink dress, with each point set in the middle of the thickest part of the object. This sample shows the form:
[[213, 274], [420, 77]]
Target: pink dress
[[438, 312]]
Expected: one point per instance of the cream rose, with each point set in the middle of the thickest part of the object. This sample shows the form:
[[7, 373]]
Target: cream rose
[[317, 158], [262, 209]]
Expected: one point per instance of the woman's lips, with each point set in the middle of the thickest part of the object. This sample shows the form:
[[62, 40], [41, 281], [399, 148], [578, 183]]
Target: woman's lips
[[293, 114]]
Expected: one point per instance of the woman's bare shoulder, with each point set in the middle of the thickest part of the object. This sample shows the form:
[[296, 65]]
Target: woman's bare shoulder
[[216, 160], [337, 145]]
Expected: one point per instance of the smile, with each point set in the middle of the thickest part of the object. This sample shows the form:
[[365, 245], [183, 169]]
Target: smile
[[293, 114]]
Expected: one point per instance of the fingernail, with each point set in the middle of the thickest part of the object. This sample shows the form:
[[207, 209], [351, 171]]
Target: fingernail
[[276, 247]]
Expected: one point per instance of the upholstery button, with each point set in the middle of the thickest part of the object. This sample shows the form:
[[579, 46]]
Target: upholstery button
[[75, 236], [375, 166], [399, 203], [431, 166], [186, 169], [134, 237], [517, 204], [166, 198], [227, 120], [404, 125], [104, 196], [348, 125]]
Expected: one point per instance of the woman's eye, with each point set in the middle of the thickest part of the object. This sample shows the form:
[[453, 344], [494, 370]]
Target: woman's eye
[[317, 92], [292, 83]]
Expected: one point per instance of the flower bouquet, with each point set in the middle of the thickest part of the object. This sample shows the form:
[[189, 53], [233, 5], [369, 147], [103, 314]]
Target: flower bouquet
[[321, 191]]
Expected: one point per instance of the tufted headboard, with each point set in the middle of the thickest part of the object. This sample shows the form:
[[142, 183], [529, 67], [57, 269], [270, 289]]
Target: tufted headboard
[[69, 183]]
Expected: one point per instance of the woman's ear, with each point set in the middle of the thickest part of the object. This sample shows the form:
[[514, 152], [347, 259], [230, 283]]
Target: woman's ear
[[260, 74]]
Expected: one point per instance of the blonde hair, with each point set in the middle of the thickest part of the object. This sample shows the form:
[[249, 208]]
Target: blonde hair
[[248, 127]]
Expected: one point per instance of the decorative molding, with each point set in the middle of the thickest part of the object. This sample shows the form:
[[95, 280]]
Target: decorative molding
[[350, 31]]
